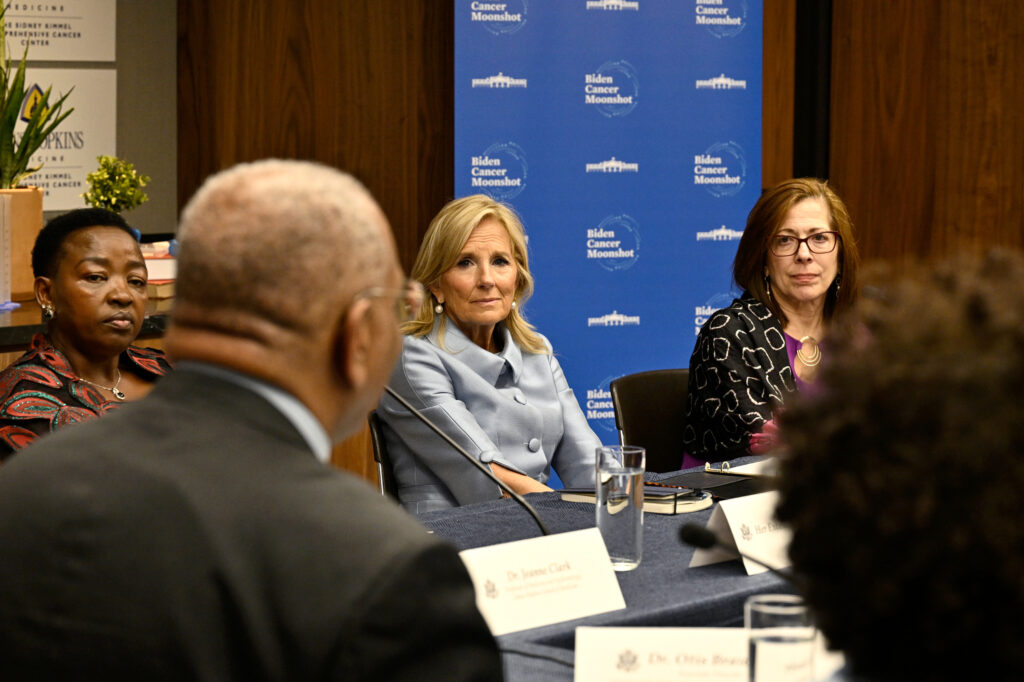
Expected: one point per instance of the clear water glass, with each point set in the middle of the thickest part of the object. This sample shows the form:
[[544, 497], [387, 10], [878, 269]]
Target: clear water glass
[[781, 638], [620, 503]]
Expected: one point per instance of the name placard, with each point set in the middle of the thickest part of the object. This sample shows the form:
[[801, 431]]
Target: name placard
[[658, 654], [611, 654], [750, 523], [540, 581]]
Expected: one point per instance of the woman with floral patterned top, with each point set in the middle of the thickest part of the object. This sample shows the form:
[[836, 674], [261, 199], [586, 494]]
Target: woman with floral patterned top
[[91, 285]]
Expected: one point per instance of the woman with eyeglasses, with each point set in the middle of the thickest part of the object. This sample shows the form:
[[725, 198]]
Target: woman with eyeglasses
[[797, 265], [474, 365]]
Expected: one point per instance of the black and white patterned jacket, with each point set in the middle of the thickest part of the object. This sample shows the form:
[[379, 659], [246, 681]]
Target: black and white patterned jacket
[[739, 375]]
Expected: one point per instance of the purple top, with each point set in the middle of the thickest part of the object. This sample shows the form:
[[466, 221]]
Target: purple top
[[792, 346]]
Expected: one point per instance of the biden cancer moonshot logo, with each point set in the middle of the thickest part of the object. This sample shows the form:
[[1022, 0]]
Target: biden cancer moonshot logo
[[500, 18], [500, 172], [613, 89]]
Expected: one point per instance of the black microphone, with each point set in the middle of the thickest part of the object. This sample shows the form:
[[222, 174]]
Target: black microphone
[[470, 458], [698, 536]]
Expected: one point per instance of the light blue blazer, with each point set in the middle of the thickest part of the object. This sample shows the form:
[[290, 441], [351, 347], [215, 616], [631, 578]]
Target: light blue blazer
[[511, 407]]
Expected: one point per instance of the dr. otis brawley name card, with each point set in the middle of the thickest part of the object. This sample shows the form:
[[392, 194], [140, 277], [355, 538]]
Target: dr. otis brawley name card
[[683, 654], [545, 580], [661, 654]]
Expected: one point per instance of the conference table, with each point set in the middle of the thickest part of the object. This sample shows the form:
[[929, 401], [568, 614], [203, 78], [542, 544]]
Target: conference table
[[662, 591]]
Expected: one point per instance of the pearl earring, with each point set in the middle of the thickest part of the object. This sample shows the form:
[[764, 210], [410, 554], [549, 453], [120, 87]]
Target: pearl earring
[[439, 308]]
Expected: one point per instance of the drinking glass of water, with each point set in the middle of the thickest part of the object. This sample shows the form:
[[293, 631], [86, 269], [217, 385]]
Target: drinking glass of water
[[781, 637], [620, 503]]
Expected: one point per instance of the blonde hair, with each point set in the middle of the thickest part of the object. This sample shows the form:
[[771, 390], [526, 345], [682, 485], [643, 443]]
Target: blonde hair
[[447, 234]]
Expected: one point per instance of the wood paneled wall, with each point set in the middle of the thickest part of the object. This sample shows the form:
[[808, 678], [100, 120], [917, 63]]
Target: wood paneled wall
[[777, 68], [926, 134], [366, 86], [927, 129], [362, 85]]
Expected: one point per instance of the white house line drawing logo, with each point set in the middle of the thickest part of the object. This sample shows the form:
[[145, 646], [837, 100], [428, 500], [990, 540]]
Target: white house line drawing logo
[[613, 165], [721, 82], [721, 234], [499, 81], [613, 4], [614, 319]]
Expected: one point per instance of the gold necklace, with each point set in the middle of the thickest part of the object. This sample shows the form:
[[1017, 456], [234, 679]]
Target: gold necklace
[[119, 394], [812, 358]]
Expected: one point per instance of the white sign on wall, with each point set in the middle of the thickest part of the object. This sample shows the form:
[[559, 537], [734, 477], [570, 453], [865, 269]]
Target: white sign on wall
[[69, 153], [62, 30]]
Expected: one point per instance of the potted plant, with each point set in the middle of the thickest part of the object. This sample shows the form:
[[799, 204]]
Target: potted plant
[[115, 185], [42, 120], [16, 152]]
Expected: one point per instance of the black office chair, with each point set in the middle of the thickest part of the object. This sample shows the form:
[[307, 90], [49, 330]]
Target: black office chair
[[650, 411], [385, 476]]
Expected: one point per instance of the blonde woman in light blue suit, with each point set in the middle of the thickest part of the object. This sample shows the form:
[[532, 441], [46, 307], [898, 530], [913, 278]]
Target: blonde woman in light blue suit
[[475, 367]]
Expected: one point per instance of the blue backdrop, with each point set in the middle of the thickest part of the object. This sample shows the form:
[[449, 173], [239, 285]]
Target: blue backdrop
[[627, 134]]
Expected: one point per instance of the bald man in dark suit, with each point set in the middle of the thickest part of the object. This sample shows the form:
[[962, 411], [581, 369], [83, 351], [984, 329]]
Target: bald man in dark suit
[[198, 534]]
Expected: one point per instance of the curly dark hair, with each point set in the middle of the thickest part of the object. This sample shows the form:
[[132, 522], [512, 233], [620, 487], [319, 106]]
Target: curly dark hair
[[904, 484], [47, 250]]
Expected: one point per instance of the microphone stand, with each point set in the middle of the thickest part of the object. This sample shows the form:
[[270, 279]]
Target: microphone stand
[[471, 459]]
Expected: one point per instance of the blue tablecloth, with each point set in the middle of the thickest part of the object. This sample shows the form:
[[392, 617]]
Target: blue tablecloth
[[661, 592]]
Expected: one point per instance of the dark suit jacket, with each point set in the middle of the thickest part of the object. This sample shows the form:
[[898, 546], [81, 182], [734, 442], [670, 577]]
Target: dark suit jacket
[[194, 536]]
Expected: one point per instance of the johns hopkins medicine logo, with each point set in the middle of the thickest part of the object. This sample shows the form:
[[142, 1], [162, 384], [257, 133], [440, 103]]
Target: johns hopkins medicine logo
[[722, 18], [615, 243], [500, 18], [721, 170], [612, 89], [500, 172]]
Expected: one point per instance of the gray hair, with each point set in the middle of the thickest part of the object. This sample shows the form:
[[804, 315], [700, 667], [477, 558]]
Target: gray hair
[[285, 242]]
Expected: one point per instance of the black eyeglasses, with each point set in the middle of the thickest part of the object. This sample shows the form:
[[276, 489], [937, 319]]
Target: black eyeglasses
[[819, 242]]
